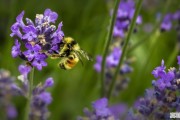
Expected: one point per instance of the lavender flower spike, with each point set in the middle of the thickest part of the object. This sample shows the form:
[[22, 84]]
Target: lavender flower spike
[[124, 16], [163, 98], [40, 38]]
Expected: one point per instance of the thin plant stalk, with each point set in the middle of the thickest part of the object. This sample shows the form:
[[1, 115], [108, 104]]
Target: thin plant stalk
[[139, 4], [173, 55], [107, 44], [29, 95]]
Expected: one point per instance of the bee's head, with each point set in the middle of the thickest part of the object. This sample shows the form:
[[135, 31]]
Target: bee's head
[[68, 40]]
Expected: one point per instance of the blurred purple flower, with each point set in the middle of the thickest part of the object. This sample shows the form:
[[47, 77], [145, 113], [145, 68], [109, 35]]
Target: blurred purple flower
[[101, 111], [112, 60], [178, 58], [11, 112], [100, 107], [166, 25], [8, 90], [124, 16], [49, 82], [45, 97], [176, 15], [97, 65]]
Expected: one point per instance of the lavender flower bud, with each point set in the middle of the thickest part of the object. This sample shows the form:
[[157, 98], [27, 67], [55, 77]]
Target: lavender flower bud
[[49, 82]]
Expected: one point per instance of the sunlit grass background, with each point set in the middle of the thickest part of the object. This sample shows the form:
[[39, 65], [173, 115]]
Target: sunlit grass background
[[87, 21]]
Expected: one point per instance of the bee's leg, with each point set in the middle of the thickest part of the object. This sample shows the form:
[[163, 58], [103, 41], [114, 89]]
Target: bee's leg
[[55, 56], [52, 56], [62, 54]]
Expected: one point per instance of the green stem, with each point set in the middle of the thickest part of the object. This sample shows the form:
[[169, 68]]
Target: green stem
[[29, 95], [107, 44], [173, 55], [125, 47]]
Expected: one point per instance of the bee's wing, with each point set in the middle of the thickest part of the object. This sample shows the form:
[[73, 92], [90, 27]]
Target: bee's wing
[[85, 55], [79, 56]]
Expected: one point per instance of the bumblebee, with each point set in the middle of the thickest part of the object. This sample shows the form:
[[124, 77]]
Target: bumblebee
[[70, 54]]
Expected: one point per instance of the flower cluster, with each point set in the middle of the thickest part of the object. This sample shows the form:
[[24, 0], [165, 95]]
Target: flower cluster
[[112, 61], [40, 100], [157, 103], [163, 98], [101, 111], [8, 89], [39, 38], [124, 16]]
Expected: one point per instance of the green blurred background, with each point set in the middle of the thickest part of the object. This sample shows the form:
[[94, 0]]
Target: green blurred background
[[87, 22]]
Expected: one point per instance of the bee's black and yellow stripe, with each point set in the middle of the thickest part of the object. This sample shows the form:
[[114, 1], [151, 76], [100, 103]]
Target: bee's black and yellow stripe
[[69, 62]]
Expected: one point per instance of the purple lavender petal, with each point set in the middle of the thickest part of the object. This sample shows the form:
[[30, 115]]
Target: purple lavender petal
[[118, 32], [100, 107], [19, 19], [124, 16], [51, 16], [166, 25], [45, 97], [39, 64], [161, 84], [159, 71], [32, 52], [15, 28], [30, 33], [139, 20], [113, 59], [24, 69], [29, 22], [16, 49]]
